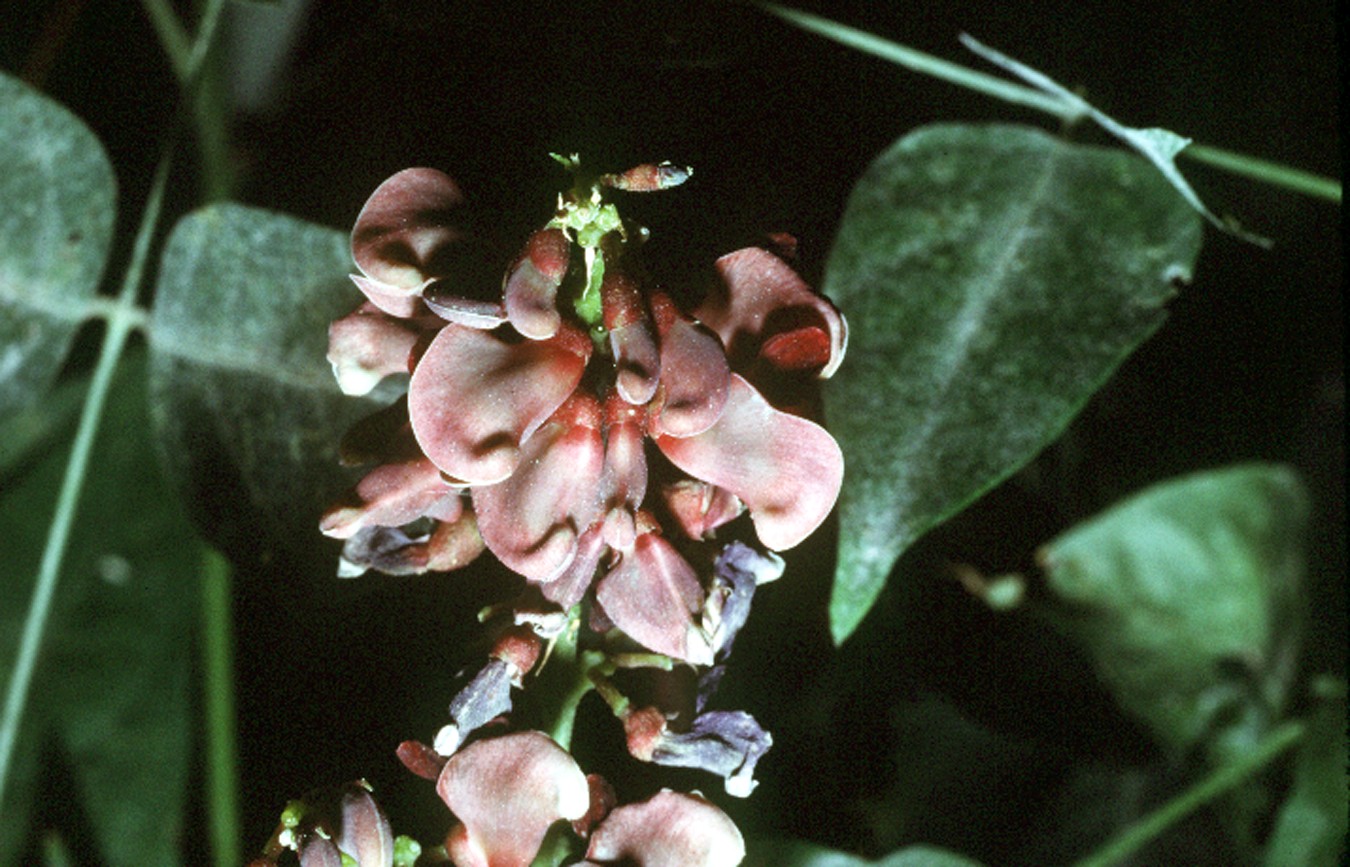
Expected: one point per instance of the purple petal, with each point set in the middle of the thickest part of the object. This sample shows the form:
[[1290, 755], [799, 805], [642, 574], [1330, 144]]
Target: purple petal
[[652, 595], [531, 290], [532, 520], [726, 743], [786, 470], [475, 397]]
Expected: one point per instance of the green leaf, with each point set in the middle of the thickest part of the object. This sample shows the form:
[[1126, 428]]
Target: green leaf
[[55, 232], [1311, 824], [112, 695], [1186, 597], [796, 853], [993, 277], [242, 392]]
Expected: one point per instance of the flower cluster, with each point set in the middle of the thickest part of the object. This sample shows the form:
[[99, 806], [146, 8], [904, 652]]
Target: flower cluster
[[528, 414], [594, 431]]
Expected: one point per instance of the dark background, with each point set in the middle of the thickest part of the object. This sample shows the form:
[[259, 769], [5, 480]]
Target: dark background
[[939, 721]]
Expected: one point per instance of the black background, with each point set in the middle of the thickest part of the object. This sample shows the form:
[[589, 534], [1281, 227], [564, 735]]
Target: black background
[[940, 721]]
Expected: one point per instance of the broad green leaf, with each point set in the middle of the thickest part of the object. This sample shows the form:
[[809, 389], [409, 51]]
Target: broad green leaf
[[1311, 824], [243, 394], [55, 232], [796, 853], [1186, 598], [993, 278], [112, 693]]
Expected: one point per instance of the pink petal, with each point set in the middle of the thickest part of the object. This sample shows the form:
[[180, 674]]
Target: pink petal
[[475, 397], [669, 829], [410, 244], [364, 832], [506, 792], [636, 358], [567, 589], [700, 508], [531, 290], [786, 470], [407, 227], [532, 520], [390, 496], [760, 296], [404, 303], [652, 595], [367, 345], [624, 483], [694, 380]]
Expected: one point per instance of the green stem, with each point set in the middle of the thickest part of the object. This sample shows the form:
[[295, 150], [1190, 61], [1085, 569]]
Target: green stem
[[198, 76], [121, 321], [222, 774], [1274, 174], [566, 674], [1218, 782], [1271, 173]]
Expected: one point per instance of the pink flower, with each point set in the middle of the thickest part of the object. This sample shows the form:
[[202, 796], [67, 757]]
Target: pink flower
[[506, 792], [539, 404], [669, 829]]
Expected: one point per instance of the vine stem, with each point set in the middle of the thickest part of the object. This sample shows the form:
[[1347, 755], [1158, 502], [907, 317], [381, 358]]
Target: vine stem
[[1215, 784], [121, 321], [123, 318], [1265, 171], [222, 773]]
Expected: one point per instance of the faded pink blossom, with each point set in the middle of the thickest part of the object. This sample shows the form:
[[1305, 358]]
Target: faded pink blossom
[[538, 407], [506, 792], [669, 829]]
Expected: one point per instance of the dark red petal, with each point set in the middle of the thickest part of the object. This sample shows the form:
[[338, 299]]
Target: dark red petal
[[786, 470], [421, 759], [532, 520], [694, 380], [531, 289], [652, 595], [759, 296], [475, 397]]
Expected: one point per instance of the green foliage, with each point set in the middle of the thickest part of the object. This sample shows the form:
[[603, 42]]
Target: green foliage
[[55, 232], [993, 278], [798, 854], [1186, 596], [114, 696], [239, 331], [1310, 827]]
